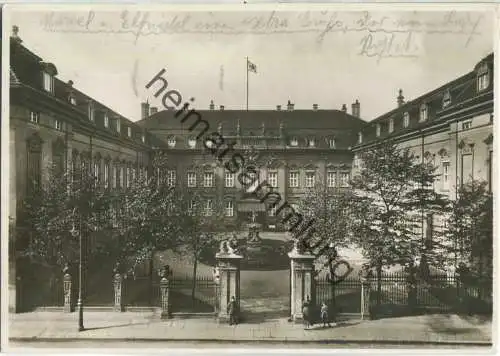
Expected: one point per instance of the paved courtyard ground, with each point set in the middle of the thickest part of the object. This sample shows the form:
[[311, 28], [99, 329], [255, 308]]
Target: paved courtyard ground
[[146, 326]]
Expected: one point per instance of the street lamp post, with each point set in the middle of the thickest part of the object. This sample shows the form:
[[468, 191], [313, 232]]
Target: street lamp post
[[79, 303]]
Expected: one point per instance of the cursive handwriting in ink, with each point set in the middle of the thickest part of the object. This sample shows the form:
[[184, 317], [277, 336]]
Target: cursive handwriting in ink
[[391, 45]]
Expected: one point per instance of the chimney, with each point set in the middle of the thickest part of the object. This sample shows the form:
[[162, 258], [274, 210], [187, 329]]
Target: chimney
[[153, 110], [355, 109], [70, 83], [344, 107], [278, 107], [212, 106], [289, 106], [221, 108], [15, 34], [401, 98], [315, 107], [144, 110]]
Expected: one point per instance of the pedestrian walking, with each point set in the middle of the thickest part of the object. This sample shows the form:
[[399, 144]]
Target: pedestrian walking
[[231, 309], [306, 313], [324, 315]]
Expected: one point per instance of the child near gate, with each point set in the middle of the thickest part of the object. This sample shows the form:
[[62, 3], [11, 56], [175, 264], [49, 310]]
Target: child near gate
[[324, 315]]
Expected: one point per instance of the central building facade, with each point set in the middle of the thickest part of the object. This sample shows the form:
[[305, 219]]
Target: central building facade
[[292, 151]]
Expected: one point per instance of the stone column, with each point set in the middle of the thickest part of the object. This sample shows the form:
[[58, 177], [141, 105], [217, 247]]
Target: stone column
[[228, 264], [302, 280], [118, 289], [68, 303]]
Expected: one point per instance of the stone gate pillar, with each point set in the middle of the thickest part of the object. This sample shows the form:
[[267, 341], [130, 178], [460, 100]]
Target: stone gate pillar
[[228, 263], [302, 280]]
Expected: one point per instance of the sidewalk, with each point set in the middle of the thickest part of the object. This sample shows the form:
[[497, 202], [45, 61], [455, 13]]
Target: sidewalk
[[145, 326]]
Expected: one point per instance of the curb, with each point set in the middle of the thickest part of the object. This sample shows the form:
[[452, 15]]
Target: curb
[[256, 341]]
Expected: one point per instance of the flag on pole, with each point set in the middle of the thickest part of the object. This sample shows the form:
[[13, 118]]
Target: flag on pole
[[252, 67]]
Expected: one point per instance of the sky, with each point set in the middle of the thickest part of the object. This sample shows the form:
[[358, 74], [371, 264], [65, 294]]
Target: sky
[[322, 57]]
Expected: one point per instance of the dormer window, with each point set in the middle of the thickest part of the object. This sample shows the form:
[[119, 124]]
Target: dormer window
[[35, 117], [446, 99], [171, 141], [72, 99], [423, 113], [483, 77], [48, 82], [406, 119], [91, 111], [360, 137], [311, 142], [106, 120], [129, 131], [391, 125], [377, 129], [191, 142], [294, 142], [331, 143]]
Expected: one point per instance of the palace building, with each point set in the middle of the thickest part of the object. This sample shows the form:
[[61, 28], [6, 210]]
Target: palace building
[[53, 124], [291, 149], [450, 126]]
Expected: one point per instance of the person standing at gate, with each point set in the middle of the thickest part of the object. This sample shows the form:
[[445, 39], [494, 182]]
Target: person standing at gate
[[306, 312], [324, 315], [231, 309]]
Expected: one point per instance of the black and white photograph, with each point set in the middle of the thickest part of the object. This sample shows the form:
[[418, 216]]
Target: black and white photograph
[[314, 176]]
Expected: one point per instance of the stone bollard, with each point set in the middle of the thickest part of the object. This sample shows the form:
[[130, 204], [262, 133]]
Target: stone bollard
[[68, 303], [164, 292], [118, 289]]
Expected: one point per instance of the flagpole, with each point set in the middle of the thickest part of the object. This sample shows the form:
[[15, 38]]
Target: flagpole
[[247, 83]]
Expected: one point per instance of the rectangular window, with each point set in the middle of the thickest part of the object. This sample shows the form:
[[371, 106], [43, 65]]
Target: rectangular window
[[91, 112], [331, 179], [294, 179], [446, 176], [118, 125], [48, 82], [272, 210], [272, 179], [129, 131], [208, 207], [106, 120], [310, 176], [35, 117], [34, 167], [391, 125], [483, 81], [58, 125], [423, 113], [96, 173], [378, 130], [229, 180], [229, 208], [128, 177], [171, 178], [106, 175], [114, 177], [344, 179], [466, 175], [191, 176], [122, 177], [208, 179]]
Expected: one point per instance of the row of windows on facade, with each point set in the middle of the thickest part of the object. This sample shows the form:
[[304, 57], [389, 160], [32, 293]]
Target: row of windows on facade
[[272, 179], [49, 86], [483, 81], [208, 208], [294, 142]]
